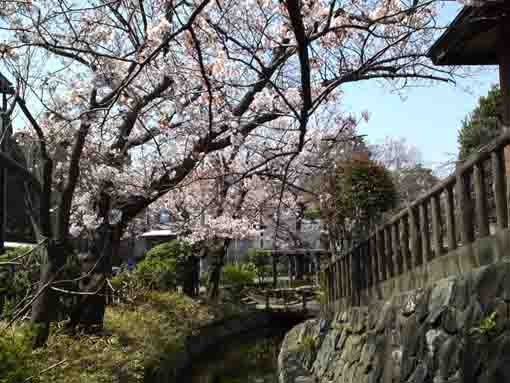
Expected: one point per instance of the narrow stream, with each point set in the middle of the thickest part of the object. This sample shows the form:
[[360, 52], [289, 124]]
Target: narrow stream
[[245, 359]]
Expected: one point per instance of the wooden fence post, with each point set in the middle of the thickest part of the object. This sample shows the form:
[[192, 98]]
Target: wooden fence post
[[397, 253], [275, 271], [375, 259], [437, 225], [407, 263], [498, 175], [369, 265], [326, 285], [336, 273], [482, 218], [349, 274], [364, 265], [414, 229], [388, 251], [355, 255], [450, 220], [338, 280], [465, 207], [424, 227], [381, 255]]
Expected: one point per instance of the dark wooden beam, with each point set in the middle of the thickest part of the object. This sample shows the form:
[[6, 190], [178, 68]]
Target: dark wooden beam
[[504, 70]]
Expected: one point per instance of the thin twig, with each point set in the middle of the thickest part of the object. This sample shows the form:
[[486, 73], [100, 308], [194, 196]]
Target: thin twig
[[47, 369]]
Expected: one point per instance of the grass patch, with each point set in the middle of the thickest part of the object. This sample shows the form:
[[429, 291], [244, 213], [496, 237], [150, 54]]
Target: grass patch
[[147, 333]]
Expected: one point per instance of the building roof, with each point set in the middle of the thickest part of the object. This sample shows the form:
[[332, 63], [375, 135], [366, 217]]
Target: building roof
[[473, 37]]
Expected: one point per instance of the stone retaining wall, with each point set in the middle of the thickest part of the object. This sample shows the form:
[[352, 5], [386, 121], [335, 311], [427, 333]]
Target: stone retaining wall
[[439, 334]]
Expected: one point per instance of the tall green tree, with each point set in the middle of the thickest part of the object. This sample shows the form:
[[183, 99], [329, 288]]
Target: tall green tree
[[481, 125], [359, 192]]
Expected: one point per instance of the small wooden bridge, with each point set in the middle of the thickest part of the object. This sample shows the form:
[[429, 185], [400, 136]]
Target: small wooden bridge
[[304, 299]]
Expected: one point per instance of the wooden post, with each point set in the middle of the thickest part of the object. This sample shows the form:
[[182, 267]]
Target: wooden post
[[290, 269], [424, 227], [369, 266], [389, 251], [498, 176], [338, 280], [330, 289], [381, 255], [414, 229], [345, 278], [375, 259], [317, 267], [437, 225], [465, 207], [482, 218], [503, 53], [275, 272], [364, 265], [407, 263], [334, 286], [397, 254], [450, 220], [326, 283], [504, 70], [356, 273], [348, 268], [353, 258], [3, 179]]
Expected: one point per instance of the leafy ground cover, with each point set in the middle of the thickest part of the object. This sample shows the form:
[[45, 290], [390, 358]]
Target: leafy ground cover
[[135, 335]]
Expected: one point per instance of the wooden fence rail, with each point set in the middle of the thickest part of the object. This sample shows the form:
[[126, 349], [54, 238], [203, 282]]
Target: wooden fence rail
[[454, 213]]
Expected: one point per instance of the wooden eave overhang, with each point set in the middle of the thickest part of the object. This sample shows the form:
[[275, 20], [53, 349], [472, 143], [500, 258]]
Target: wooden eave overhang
[[474, 37]]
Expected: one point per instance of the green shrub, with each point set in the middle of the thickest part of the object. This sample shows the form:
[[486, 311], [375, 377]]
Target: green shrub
[[170, 250], [17, 285], [14, 286], [157, 274], [161, 269], [487, 326], [261, 262], [237, 275], [15, 355], [165, 265]]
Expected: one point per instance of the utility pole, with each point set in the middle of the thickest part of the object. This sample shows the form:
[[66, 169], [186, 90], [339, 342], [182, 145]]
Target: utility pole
[[3, 188]]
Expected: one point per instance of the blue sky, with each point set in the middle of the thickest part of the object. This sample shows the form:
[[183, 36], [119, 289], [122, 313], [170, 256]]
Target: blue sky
[[428, 117]]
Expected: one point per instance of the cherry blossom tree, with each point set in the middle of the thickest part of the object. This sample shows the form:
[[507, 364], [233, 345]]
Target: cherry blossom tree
[[129, 100]]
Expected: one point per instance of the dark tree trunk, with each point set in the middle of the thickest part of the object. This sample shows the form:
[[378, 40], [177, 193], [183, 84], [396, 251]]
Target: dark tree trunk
[[191, 281], [215, 274], [188, 287], [96, 266], [45, 305]]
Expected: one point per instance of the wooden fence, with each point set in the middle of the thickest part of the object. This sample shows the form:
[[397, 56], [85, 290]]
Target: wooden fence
[[464, 207]]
